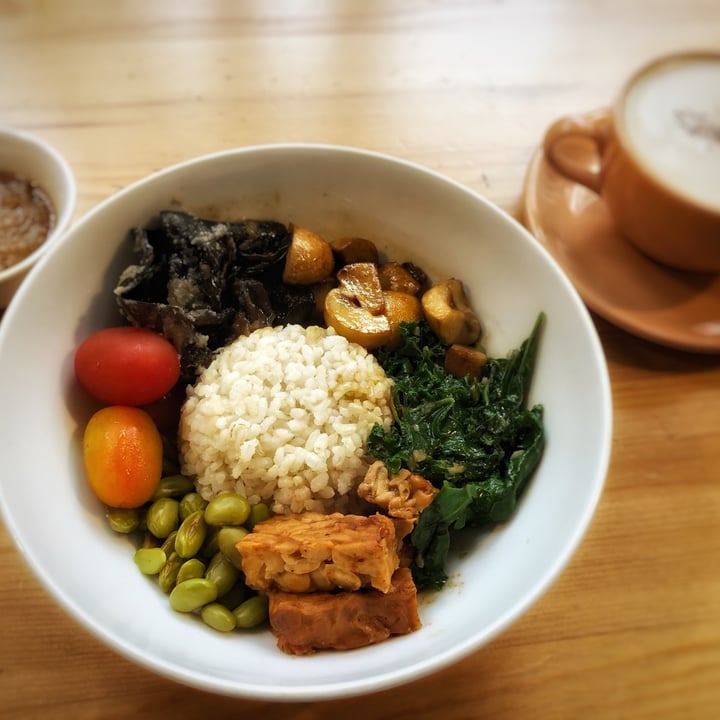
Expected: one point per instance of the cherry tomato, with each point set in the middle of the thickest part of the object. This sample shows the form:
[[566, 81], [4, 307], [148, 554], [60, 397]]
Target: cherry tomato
[[126, 365], [122, 453]]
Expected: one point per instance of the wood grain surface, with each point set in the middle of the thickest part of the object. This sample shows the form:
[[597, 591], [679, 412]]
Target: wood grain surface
[[631, 629]]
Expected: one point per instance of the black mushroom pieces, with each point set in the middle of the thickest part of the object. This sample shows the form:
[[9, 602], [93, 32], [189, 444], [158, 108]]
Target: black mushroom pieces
[[202, 283]]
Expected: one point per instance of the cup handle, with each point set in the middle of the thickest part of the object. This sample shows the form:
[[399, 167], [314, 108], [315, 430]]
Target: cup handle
[[582, 168]]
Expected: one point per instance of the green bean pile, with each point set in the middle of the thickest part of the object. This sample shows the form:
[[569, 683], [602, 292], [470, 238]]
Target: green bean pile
[[189, 545]]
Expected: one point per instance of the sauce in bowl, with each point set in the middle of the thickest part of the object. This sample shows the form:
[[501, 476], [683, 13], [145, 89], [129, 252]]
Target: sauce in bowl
[[26, 217]]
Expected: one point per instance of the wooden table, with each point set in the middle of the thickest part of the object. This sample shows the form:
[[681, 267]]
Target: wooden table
[[631, 629]]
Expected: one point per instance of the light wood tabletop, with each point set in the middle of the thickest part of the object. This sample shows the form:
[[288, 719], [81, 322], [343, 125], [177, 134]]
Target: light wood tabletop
[[631, 629]]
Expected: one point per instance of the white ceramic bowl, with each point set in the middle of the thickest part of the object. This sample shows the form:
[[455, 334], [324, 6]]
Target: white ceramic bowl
[[32, 158], [447, 229]]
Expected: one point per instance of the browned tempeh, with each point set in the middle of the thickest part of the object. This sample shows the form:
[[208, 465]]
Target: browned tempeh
[[306, 623], [315, 552]]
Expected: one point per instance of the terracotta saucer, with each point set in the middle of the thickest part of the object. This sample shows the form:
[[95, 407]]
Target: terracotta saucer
[[670, 307]]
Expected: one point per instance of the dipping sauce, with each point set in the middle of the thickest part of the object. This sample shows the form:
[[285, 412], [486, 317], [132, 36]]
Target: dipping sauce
[[26, 216]]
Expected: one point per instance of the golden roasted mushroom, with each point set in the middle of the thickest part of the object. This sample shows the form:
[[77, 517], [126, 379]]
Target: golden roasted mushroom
[[417, 272], [400, 307], [361, 282], [356, 308], [359, 310], [354, 250], [309, 259], [393, 276], [462, 361], [449, 314]]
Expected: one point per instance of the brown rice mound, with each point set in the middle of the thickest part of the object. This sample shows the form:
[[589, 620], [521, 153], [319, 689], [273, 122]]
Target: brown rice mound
[[282, 416]]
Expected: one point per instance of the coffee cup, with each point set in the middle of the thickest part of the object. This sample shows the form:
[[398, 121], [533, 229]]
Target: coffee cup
[[657, 165]]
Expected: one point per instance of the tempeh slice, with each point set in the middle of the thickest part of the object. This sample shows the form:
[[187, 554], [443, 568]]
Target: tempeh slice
[[304, 624], [315, 552]]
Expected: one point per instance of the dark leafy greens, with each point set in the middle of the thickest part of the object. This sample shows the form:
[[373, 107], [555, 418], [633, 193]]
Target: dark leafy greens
[[474, 439]]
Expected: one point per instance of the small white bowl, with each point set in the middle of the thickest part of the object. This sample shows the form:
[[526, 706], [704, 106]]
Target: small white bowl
[[416, 215], [33, 159]]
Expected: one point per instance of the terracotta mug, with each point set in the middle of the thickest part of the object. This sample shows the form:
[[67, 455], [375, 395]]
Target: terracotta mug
[[658, 159]]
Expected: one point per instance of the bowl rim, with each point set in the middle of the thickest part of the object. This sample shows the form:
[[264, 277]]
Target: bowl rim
[[340, 688], [63, 213]]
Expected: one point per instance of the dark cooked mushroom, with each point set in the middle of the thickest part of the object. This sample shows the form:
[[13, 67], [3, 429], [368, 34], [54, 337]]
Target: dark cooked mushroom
[[201, 282]]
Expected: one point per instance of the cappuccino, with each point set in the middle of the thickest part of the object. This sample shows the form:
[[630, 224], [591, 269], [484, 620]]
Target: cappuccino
[[671, 117]]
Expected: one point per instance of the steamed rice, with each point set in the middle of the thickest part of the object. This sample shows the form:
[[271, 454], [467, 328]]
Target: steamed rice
[[282, 416]]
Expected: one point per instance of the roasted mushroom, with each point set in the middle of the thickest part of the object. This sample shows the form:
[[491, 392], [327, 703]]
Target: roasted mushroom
[[463, 361], [359, 310], [354, 250], [356, 308], [400, 307], [449, 314], [309, 259], [393, 276]]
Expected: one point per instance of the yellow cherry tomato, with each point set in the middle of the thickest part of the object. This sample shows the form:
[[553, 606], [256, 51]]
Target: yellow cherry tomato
[[122, 453]]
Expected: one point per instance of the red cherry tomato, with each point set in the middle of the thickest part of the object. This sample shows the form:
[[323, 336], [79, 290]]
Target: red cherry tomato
[[127, 365], [122, 454]]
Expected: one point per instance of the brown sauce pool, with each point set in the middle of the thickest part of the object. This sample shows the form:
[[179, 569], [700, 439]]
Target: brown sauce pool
[[26, 217]]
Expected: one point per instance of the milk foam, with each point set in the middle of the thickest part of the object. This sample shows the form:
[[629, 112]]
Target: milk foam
[[672, 119]]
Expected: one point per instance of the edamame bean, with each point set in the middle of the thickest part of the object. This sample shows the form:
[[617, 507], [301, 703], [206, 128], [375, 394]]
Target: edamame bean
[[258, 513], [163, 517], [123, 520], [228, 538], [252, 612], [210, 546], [223, 573], [190, 503], [168, 544], [150, 561], [173, 486], [192, 594], [218, 617], [227, 509], [168, 575], [191, 535], [192, 568]]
